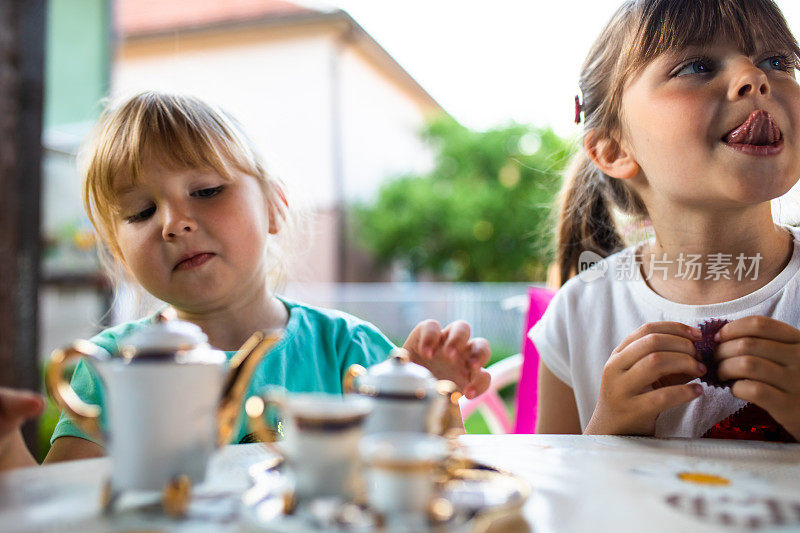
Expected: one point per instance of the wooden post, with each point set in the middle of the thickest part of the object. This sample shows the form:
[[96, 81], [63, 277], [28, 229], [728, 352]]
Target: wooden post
[[22, 25]]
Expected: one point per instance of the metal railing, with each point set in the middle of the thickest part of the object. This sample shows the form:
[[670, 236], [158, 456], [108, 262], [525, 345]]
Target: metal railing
[[491, 309]]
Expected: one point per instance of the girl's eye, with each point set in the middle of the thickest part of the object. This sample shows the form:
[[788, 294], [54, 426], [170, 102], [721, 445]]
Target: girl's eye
[[208, 193], [777, 63], [696, 66], [141, 215]]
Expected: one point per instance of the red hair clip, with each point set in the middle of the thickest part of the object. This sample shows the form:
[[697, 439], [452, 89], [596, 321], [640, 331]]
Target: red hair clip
[[578, 109]]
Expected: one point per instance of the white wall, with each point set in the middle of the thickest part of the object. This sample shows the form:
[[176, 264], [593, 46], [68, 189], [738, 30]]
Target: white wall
[[281, 91], [381, 126], [278, 89]]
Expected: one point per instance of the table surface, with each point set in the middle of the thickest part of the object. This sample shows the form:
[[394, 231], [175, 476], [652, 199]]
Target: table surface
[[580, 483]]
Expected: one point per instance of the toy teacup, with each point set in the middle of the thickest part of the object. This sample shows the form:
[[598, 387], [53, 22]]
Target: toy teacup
[[320, 440]]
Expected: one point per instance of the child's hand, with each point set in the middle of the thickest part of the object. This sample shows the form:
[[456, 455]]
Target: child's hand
[[645, 375], [449, 353], [763, 356], [15, 407]]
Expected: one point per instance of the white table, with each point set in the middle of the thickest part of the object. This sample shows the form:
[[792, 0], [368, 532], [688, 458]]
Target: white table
[[580, 484]]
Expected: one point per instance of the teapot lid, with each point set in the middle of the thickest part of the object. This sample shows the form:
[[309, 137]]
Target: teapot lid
[[169, 341], [398, 375]]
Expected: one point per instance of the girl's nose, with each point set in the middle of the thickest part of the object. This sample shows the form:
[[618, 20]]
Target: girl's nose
[[177, 222], [748, 80]]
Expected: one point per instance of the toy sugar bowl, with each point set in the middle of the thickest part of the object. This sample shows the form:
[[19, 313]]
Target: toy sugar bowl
[[407, 397]]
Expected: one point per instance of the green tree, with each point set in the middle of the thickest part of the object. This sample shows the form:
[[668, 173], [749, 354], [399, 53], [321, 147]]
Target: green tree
[[482, 214]]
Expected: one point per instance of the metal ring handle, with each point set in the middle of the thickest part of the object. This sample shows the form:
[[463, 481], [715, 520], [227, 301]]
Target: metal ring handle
[[349, 380], [450, 423], [255, 407], [86, 416]]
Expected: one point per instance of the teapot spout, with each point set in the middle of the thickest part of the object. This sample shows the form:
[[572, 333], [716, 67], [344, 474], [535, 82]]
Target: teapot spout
[[242, 366]]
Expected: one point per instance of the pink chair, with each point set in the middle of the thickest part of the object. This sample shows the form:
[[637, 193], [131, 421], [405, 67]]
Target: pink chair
[[522, 367], [527, 399]]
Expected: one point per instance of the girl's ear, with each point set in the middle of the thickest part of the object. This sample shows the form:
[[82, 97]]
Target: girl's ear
[[610, 156], [278, 208]]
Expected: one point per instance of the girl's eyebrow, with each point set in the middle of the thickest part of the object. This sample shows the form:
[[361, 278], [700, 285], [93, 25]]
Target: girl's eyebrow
[[123, 190], [688, 51]]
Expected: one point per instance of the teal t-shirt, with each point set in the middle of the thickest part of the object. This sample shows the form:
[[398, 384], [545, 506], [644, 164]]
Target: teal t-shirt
[[317, 348]]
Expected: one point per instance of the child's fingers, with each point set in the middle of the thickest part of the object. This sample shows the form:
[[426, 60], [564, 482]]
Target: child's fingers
[[779, 352], [455, 337], [776, 402], [652, 343], [760, 369], [20, 402], [479, 385], [425, 338], [758, 326], [480, 352], [672, 328], [658, 365], [659, 400], [16, 406]]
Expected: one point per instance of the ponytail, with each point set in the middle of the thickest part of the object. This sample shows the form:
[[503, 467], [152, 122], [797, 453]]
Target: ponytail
[[639, 32], [585, 219]]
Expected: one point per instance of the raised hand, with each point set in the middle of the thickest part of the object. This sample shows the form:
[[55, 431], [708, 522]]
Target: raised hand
[[762, 356], [15, 407], [645, 375], [450, 353]]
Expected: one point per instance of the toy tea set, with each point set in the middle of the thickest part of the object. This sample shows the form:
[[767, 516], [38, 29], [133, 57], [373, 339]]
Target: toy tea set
[[374, 458]]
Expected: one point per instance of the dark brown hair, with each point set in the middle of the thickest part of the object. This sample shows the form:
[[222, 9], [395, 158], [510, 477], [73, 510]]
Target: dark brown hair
[[640, 31]]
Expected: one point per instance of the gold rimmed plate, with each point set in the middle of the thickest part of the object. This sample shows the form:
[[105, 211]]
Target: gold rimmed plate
[[486, 494], [483, 498]]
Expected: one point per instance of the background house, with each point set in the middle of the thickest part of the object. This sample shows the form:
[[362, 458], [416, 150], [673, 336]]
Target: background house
[[329, 108], [332, 112]]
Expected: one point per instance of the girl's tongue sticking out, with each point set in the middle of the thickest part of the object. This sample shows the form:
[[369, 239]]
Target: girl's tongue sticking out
[[758, 130]]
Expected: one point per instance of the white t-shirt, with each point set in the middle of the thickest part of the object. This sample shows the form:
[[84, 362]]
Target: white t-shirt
[[588, 319]]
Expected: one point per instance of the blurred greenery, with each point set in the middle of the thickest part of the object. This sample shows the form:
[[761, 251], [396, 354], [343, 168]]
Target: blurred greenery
[[48, 419], [47, 423], [482, 214]]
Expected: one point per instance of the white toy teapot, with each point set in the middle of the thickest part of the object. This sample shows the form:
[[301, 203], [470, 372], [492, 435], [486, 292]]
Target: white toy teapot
[[170, 400], [407, 396]]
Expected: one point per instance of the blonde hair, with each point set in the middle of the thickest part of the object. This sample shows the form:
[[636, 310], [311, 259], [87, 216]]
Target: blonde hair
[[176, 132], [640, 31]]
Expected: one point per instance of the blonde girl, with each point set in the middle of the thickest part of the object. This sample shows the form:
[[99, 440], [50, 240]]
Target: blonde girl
[[691, 116], [186, 210]]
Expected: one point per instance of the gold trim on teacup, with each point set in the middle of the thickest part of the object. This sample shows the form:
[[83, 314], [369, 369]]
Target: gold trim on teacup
[[404, 466], [328, 424]]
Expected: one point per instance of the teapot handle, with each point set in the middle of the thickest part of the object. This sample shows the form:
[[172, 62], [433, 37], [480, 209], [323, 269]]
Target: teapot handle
[[450, 423], [349, 381], [242, 367], [255, 407], [86, 416]]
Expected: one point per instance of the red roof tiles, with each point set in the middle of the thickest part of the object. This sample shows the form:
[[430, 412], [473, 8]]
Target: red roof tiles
[[146, 16]]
